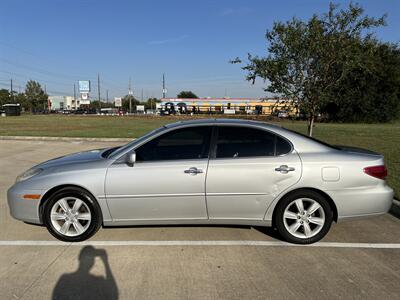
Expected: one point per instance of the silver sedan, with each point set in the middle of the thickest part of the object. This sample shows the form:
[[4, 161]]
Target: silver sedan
[[205, 172]]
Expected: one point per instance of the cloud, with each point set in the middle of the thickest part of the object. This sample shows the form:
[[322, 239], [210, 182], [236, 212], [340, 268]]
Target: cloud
[[235, 11], [170, 40]]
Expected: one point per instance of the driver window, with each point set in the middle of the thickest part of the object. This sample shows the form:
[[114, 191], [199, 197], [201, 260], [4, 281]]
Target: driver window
[[185, 143]]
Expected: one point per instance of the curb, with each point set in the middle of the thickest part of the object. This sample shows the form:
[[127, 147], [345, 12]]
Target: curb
[[65, 139], [395, 209]]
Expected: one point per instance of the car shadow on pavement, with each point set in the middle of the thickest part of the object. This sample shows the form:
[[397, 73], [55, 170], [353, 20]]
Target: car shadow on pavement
[[83, 285], [270, 231]]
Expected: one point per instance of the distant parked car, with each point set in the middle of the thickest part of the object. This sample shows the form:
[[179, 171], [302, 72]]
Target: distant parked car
[[283, 114], [11, 109], [205, 172]]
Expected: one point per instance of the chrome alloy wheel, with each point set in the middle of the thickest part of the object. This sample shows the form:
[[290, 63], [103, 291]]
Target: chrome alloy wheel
[[304, 218], [70, 216]]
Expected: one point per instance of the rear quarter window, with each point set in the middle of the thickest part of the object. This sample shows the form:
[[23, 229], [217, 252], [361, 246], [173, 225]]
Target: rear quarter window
[[282, 146]]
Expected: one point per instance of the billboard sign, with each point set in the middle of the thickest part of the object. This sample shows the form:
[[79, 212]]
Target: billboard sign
[[84, 86], [84, 96], [117, 101], [140, 107]]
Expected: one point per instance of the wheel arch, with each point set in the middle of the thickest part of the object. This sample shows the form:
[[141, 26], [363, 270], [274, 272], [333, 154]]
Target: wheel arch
[[57, 188], [320, 192]]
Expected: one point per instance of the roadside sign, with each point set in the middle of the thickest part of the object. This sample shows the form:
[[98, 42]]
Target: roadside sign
[[84, 86], [117, 101]]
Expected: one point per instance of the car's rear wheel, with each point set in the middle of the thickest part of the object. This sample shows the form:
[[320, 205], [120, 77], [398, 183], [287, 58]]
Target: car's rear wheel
[[72, 215], [303, 217]]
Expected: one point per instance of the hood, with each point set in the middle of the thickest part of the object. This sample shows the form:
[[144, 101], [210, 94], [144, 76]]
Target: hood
[[80, 157]]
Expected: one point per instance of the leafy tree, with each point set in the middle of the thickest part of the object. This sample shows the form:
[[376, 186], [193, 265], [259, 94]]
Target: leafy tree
[[21, 99], [309, 60], [94, 104], [187, 94], [369, 94], [151, 103], [36, 98], [4, 96], [125, 102]]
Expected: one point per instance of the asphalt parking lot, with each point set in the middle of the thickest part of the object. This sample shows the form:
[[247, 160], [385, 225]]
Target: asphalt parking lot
[[358, 260]]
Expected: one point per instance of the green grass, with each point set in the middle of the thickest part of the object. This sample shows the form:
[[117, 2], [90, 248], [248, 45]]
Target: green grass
[[382, 138]]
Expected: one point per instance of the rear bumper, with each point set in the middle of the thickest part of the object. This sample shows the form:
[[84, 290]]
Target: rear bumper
[[362, 202], [23, 209]]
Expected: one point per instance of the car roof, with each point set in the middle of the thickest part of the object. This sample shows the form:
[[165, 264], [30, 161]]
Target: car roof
[[218, 121], [300, 142]]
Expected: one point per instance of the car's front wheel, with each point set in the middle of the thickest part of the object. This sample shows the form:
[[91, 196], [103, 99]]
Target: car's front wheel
[[303, 217], [72, 215]]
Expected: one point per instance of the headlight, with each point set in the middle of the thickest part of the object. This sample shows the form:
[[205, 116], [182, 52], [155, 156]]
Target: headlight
[[28, 174]]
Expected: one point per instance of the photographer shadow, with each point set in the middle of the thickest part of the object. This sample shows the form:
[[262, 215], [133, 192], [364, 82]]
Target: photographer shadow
[[83, 285]]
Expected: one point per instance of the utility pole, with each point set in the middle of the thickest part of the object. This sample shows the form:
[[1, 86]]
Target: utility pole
[[130, 93], [164, 90], [74, 92], [107, 95], [11, 92], [98, 89]]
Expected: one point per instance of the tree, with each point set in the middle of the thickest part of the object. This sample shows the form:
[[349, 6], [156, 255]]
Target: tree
[[21, 99], [126, 103], [370, 94], [4, 97], [187, 95], [308, 60], [151, 103], [36, 98]]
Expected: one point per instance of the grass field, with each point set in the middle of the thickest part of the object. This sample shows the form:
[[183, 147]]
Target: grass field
[[382, 138]]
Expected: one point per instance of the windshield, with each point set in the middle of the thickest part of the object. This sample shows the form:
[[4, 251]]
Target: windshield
[[122, 149]]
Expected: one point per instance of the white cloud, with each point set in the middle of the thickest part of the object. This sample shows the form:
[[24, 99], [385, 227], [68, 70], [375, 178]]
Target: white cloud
[[170, 40]]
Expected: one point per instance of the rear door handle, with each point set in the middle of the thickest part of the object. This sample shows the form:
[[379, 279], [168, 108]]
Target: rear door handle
[[284, 169], [193, 171]]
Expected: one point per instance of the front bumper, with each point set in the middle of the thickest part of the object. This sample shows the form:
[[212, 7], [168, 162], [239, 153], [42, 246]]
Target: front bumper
[[26, 210]]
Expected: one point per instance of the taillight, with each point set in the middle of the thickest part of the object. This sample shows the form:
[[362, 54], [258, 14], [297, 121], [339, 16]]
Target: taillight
[[376, 171]]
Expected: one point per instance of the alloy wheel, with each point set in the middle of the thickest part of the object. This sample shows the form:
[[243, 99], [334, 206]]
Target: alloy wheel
[[304, 218], [70, 216]]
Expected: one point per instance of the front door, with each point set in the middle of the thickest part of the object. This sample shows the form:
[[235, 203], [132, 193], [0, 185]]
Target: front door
[[166, 182], [248, 172]]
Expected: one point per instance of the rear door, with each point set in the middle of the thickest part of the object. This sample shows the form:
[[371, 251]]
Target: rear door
[[248, 169]]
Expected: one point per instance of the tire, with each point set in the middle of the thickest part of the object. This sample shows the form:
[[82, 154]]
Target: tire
[[303, 217], [76, 222]]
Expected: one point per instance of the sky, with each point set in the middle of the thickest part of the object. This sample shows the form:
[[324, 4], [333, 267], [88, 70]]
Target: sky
[[58, 42]]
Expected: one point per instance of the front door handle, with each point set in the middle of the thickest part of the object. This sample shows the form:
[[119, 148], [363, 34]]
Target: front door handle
[[193, 171], [284, 169]]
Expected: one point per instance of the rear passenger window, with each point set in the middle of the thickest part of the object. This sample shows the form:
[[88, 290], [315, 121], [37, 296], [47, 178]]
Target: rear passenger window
[[282, 146], [244, 142]]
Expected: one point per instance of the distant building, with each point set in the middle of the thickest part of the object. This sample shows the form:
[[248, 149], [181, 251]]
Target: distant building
[[66, 103], [56, 102], [227, 106]]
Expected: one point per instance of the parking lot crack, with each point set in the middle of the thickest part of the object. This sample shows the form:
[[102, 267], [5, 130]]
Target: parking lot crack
[[44, 271]]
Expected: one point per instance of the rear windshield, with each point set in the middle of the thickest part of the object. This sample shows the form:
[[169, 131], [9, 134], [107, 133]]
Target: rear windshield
[[315, 140]]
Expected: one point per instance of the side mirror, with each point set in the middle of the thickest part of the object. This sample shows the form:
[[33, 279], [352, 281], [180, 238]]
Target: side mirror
[[131, 159]]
